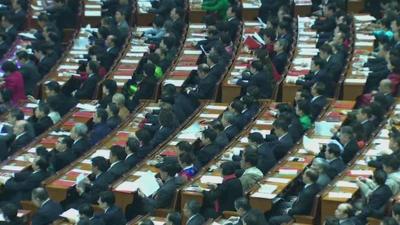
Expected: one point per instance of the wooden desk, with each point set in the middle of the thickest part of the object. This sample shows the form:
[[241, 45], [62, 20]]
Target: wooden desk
[[302, 7], [156, 220], [355, 6], [280, 176], [205, 114]]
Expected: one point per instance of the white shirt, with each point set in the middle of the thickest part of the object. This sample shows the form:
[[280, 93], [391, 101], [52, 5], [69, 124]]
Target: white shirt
[[19, 135]]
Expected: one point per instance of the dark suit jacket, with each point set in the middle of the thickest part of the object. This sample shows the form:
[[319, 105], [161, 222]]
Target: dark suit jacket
[[231, 131], [98, 132], [132, 160], [317, 105], [11, 34], [40, 125], [19, 143], [376, 202], [59, 160], [117, 169], [47, 213], [96, 221], [325, 25], [4, 46], [146, 88], [161, 135], [20, 19], [107, 60], [207, 153], [45, 65], [217, 70], [335, 167], [368, 129], [280, 61], [350, 150], [113, 216], [23, 183], [64, 103], [205, 87], [262, 80], [196, 220], [226, 193], [232, 24], [31, 76], [305, 200], [17, 221], [222, 140], [162, 198], [113, 122], [334, 67], [88, 87], [321, 76], [266, 159], [282, 147], [80, 147]]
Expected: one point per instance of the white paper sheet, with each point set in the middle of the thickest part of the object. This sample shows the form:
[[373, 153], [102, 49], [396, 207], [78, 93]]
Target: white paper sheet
[[211, 179]]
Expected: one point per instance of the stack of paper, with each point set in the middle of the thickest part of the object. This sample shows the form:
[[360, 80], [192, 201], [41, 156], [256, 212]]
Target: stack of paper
[[339, 195], [267, 188], [211, 179]]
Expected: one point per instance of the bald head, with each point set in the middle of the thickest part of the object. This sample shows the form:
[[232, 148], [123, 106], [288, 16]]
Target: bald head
[[20, 127], [385, 86]]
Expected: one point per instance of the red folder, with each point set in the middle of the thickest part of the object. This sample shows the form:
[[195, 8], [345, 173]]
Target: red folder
[[180, 73], [343, 105], [64, 183], [124, 72], [69, 123], [251, 43], [298, 72], [120, 143], [170, 153], [189, 58], [84, 114]]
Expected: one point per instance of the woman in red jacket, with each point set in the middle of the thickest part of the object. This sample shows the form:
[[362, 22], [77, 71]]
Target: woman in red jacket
[[13, 81]]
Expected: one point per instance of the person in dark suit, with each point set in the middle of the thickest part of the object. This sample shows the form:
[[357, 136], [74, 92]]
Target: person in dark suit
[[334, 63], [249, 111], [162, 7], [114, 120], [284, 32], [112, 52], [217, 67], [61, 155], [64, 103], [86, 211], [41, 120], [122, 24], [377, 199], [45, 61], [118, 166], [200, 84], [304, 202], [192, 211], [78, 134], [284, 141], [108, 90], [328, 23], [20, 186], [23, 136], [59, 12], [350, 146], [177, 16], [9, 28], [336, 164], [133, 153], [256, 76], [317, 74], [112, 214], [164, 196], [29, 71], [233, 22], [363, 117], [266, 157], [318, 101], [19, 14], [225, 193], [147, 84], [100, 128], [10, 212], [88, 87], [281, 57], [228, 121], [168, 125], [209, 148], [48, 211]]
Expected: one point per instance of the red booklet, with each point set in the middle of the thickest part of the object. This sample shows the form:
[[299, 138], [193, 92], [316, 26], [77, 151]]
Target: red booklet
[[64, 183], [170, 153], [84, 114], [251, 43]]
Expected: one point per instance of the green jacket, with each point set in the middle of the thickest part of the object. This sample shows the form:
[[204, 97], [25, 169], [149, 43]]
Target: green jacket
[[217, 6], [305, 122]]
